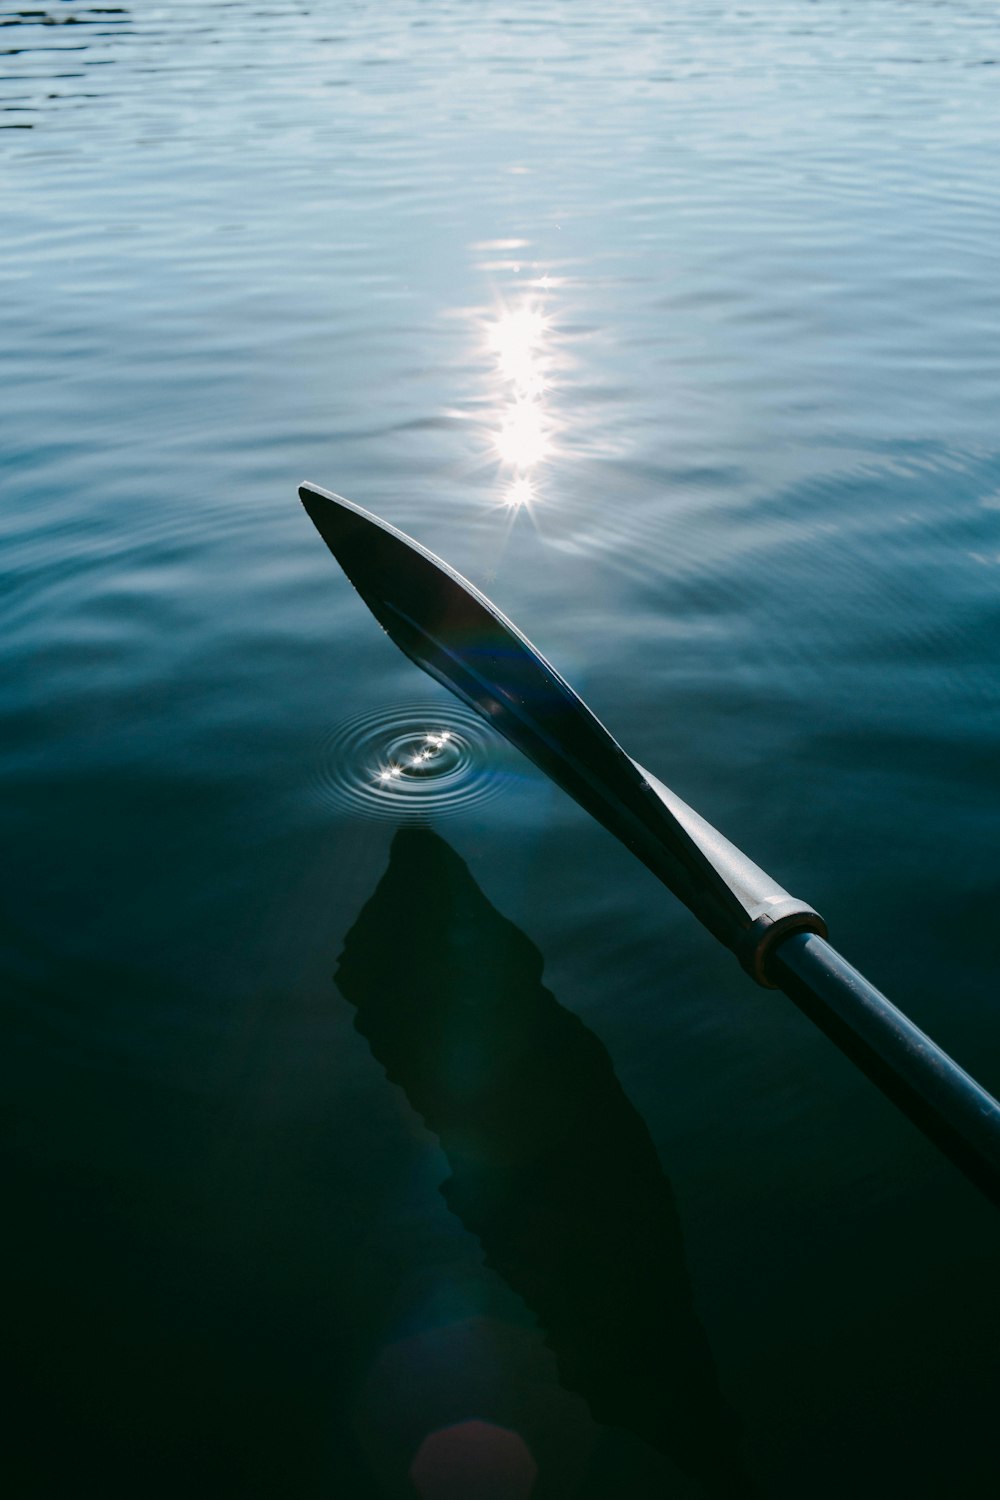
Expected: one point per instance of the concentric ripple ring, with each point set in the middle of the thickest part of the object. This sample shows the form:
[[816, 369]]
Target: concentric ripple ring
[[412, 760]]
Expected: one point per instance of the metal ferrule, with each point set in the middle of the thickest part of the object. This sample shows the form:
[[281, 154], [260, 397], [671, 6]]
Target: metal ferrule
[[751, 911]]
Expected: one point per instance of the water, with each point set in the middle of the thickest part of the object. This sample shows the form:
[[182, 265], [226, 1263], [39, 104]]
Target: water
[[676, 330]]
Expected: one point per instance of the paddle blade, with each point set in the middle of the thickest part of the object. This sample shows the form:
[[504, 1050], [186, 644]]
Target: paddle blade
[[444, 624]]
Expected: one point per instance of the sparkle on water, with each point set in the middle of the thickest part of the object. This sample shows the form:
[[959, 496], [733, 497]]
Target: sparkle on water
[[520, 493], [523, 439], [516, 337], [407, 760], [434, 742]]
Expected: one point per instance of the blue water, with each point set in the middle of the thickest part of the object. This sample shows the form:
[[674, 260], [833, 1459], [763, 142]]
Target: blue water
[[676, 329]]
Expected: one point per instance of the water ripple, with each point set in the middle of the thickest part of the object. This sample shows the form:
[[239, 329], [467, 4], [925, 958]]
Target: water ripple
[[411, 760]]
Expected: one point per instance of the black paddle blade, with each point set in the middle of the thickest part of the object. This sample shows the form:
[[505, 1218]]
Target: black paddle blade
[[456, 634], [445, 625]]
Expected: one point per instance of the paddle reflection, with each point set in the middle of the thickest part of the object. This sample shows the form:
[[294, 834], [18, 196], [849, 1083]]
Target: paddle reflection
[[551, 1167]]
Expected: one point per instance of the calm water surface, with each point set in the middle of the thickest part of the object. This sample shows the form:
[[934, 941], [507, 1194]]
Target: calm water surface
[[676, 328]]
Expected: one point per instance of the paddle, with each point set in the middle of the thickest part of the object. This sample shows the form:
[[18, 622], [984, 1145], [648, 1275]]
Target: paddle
[[456, 634]]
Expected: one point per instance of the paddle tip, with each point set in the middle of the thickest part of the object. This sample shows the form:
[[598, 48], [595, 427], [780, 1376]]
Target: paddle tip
[[336, 519], [317, 500]]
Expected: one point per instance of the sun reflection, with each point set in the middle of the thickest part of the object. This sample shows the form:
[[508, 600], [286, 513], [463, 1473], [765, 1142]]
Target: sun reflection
[[519, 494], [522, 438], [516, 338]]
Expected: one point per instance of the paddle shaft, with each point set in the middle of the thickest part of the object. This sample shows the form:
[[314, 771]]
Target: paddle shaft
[[951, 1109]]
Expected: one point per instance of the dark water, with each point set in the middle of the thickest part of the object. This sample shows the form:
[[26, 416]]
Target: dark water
[[675, 328]]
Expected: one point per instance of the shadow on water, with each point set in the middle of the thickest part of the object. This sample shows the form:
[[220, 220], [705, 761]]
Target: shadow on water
[[551, 1167]]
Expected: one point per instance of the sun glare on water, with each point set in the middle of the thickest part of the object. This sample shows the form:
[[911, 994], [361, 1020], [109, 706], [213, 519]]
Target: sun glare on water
[[516, 338], [522, 439], [519, 493]]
